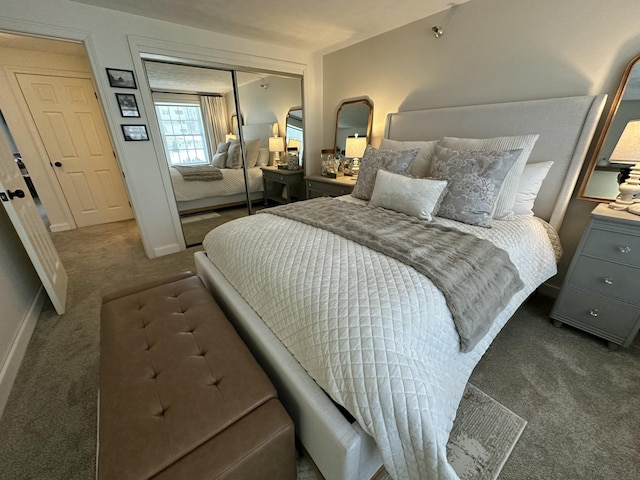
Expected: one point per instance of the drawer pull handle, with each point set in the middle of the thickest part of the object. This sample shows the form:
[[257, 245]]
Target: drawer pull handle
[[608, 280], [624, 249], [593, 312]]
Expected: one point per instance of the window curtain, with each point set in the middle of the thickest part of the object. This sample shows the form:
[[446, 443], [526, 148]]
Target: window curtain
[[214, 116]]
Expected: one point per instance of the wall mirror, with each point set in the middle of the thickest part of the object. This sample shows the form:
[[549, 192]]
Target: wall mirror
[[601, 181], [294, 132], [354, 117]]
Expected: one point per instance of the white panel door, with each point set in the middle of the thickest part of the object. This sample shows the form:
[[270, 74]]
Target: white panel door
[[70, 123], [23, 213]]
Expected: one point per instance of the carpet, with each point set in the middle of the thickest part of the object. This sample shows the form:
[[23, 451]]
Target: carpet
[[482, 438]]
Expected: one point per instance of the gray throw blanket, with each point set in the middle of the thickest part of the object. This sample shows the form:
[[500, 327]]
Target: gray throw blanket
[[476, 278], [199, 172]]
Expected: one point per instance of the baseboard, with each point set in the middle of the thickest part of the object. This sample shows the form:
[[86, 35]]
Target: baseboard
[[60, 227], [166, 250], [9, 369]]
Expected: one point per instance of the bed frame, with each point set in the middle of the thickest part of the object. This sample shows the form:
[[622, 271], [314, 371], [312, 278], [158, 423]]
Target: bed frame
[[338, 446]]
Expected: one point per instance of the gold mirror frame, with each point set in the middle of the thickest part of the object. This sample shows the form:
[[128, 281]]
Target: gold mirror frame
[[360, 130], [606, 130]]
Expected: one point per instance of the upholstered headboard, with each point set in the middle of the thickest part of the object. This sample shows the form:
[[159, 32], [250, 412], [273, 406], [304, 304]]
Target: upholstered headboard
[[258, 130], [565, 125]]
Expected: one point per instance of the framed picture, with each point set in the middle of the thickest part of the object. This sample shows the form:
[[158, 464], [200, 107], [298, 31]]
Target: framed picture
[[121, 78], [135, 133], [128, 105]]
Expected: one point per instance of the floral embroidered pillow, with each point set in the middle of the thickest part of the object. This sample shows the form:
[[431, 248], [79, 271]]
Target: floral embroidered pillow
[[474, 182]]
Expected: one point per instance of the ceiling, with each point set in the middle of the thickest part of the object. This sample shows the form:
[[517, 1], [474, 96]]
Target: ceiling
[[319, 26]]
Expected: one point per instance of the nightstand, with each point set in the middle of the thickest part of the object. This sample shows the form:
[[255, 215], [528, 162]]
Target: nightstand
[[601, 292], [319, 186], [282, 186]]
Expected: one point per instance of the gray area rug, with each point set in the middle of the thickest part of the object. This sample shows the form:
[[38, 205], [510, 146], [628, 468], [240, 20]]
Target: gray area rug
[[483, 435]]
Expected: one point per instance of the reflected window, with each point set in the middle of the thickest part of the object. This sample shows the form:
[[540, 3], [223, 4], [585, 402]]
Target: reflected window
[[182, 132]]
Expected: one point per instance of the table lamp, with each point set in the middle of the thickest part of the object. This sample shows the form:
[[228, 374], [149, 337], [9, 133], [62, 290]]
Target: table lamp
[[276, 145], [354, 148], [627, 152]]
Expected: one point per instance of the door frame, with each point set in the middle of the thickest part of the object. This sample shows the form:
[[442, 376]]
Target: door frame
[[143, 48], [36, 141]]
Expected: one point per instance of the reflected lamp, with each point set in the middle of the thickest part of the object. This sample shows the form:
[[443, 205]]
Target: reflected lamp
[[627, 152], [276, 145]]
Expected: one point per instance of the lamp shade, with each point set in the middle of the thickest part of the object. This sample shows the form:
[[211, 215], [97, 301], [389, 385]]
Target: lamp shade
[[230, 136], [627, 149], [355, 147], [276, 144]]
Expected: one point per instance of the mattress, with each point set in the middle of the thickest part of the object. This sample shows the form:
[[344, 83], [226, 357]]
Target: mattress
[[232, 183], [372, 332]]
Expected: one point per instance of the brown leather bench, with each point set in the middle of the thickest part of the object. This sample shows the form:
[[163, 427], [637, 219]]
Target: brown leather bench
[[181, 397]]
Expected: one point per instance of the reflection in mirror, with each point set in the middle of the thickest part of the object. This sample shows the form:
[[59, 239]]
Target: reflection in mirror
[[216, 179], [606, 166], [354, 117], [294, 132]]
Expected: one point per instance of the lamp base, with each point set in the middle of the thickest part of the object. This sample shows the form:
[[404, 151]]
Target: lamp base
[[635, 209]]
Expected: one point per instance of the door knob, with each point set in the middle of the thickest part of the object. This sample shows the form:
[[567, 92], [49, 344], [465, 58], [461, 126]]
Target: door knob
[[58, 164], [17, 193]]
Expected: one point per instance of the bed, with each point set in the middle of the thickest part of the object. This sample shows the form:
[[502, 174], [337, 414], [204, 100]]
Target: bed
[[364, 350], [192, 196]]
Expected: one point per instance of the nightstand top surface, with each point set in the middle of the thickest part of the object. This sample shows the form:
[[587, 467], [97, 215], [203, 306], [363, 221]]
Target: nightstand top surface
[[284, 171], [603, 210], [342, 180]]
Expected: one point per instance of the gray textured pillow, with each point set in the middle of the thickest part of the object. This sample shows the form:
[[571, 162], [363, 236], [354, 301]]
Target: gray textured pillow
[[220, 160], [223, 147], [474, 182], [234, 158], [372, 161], [507, 197], [421, 166]]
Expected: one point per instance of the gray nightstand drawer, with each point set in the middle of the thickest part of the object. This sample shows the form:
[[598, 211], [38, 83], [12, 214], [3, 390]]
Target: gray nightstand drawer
[[596, 314], [615, 246], [606, 278]]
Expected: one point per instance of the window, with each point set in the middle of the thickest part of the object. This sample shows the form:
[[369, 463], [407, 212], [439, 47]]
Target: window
[[182, 132]]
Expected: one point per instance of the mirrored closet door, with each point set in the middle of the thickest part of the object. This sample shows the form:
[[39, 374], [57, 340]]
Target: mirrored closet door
[[215, 153]]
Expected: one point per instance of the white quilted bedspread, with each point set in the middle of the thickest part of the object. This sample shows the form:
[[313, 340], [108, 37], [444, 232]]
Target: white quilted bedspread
[[232, 183], [373, 333]]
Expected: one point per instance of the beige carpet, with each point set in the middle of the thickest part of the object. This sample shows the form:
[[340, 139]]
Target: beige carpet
[[483, 436]]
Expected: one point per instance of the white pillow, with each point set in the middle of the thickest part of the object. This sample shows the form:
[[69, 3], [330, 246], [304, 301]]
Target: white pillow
[[418, 197], [529, 186], [421, 166], [252, 149], [263, 157], [507, 196]]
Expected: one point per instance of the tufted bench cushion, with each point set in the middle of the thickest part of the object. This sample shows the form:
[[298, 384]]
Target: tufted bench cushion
[[180, 395]]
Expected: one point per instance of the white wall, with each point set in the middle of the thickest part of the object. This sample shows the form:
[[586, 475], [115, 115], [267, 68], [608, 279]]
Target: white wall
[[109, 37], [19, 304], [491, 51]]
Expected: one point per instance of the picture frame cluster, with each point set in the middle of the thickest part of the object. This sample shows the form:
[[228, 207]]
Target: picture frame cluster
[[127, 103]]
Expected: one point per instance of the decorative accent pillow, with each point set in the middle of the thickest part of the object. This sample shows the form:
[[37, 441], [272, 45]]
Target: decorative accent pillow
[[418, 197], [223, 147], [422, 164], [372, 161], [234, 158], [252, 148], [263, 157], [474, 182], [220, 160], [529, 186], [507, 197]]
